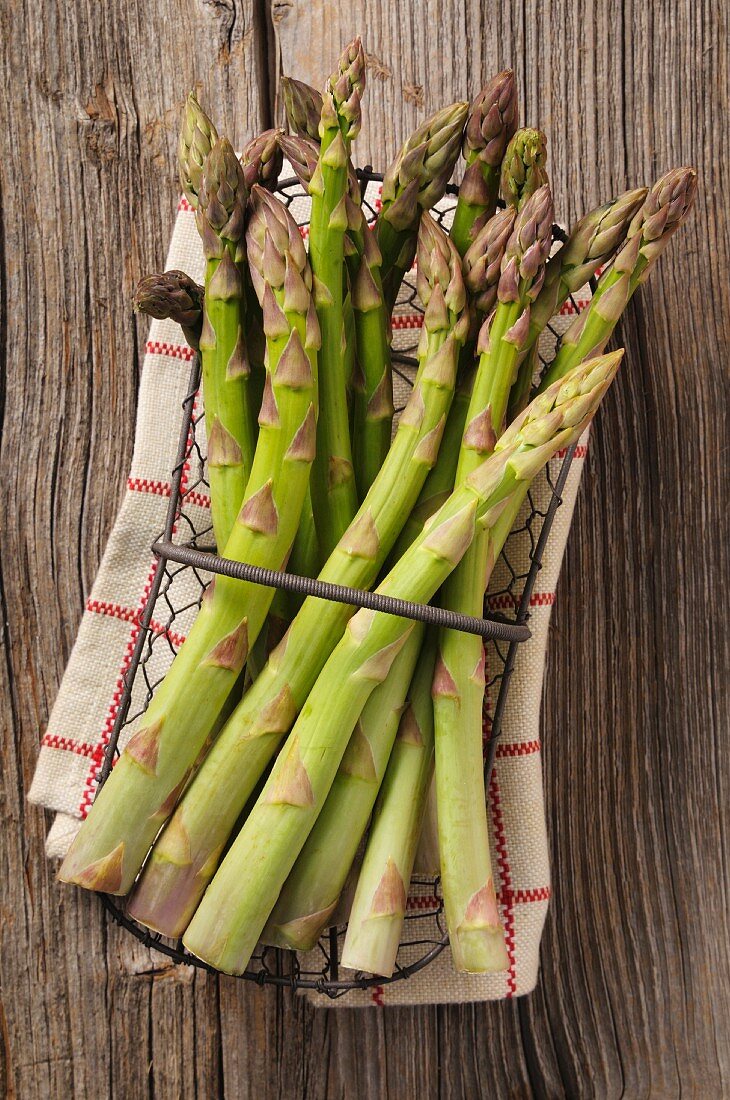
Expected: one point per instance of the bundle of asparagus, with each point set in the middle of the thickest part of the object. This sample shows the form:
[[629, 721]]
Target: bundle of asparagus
[[354, 711]]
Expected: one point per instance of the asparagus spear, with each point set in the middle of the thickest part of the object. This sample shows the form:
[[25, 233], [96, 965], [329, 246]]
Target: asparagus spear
[[231, 916], [334, 496], [303, 106], [373, 392], [175, 295], [415, 182], [591, 244], [482, 268], [373, 389], [262, 160], [228, 408], [142, 789], [664, 210], [458, 687], [491, 123], [176, 874], [377, 913], [312, 890], [523, 168], [198, 135]]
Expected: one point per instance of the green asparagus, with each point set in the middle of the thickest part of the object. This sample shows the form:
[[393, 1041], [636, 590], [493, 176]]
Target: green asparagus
[[141, 792], [303, 106], [198, 135], [492, 122], [175, 295], [233, 912], [379, 906], [590, 246], [262, 160], [664, 210], [523, 168], [415, 182], [334, 496], [229, 413], [312, 890], [173, 883], [458, 687]]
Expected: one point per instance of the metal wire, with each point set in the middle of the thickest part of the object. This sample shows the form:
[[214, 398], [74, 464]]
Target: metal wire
[[182, 552], [340, 593]]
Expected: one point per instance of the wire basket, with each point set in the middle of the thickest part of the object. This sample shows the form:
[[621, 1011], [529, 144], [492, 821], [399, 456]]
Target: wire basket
[[185, 555]]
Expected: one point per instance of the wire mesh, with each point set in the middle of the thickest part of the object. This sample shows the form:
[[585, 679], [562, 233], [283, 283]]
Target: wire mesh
[[178, 588]]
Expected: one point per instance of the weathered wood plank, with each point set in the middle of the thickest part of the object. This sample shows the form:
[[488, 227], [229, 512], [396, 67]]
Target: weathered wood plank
[[634, 993], [635, 961], [88, 200]]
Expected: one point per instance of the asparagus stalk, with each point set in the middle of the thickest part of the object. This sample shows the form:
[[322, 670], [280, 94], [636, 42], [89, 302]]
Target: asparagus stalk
[[482, 267], [458, 686], [664, 210], [262, 160], [591, 244], [303, 106], [427, 861], [176, 874], [175, 295], [334, 496], [379, 906], [198, 135], [373, 392], [224, 359], [491, 123], [523, 168], [312, 890], [231, 916], [415, 182], [143, 788]]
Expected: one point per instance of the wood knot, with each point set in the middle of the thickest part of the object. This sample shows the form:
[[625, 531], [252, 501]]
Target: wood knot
[[99, 123]]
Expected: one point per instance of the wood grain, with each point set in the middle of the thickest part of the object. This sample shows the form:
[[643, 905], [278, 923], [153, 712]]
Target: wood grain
[[633, 999]]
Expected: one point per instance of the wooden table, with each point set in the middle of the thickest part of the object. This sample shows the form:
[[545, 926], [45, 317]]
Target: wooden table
[[633, 999]]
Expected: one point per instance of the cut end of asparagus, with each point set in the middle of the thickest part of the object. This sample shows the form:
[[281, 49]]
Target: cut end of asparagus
[[303, 106], [173, 295], [262, 160], [523, 167], [166, 897], [198, 135], [492, 121]]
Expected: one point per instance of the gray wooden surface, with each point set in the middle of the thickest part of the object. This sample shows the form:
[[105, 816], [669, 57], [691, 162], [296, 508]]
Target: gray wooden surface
[[633, 999]]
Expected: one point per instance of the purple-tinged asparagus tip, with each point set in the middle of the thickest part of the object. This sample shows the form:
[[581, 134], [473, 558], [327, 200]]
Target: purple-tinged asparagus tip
[[492, 120], [262, 160], [303, 106]]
